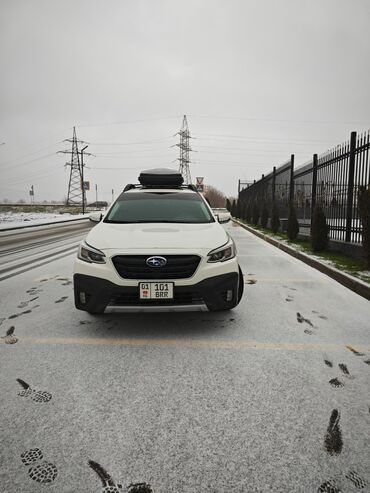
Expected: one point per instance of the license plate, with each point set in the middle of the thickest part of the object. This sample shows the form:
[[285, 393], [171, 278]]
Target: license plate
[[156, 290]]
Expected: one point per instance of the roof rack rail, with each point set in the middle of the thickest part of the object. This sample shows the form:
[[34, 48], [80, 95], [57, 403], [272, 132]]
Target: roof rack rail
[[129, 186]]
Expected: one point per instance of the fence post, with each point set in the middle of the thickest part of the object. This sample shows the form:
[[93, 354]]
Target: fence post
[[351, 174], [291, 189], [314, 183]]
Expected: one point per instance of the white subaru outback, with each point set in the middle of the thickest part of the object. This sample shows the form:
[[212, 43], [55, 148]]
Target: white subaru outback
[[159, 246]]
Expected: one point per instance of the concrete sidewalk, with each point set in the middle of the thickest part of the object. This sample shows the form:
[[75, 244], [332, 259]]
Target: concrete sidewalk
[[351, 282]]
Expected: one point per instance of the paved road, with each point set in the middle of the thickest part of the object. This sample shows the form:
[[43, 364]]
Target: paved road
[[197, 402], [24, 248]]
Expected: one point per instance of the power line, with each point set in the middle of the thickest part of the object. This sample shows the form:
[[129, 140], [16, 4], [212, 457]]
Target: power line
[[25, 156], [125, 122], [228, 163], [330, 122], [131, 157], [263, 140], [128, 152], [121, 169], [236, 150], [154, 141], [27, 178], [38, 141]]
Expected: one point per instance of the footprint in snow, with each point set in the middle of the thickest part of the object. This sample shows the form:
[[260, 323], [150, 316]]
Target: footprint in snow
[[334, 382], [9, 337], [36, 395], [63, 298], [333, 439], [44, 472]]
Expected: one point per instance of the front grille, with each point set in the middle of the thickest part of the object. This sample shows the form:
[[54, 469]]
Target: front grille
[[133, 299], [135, 267]]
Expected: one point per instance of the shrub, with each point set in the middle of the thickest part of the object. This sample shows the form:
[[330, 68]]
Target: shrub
[[319, 230], [264, 216], [244, 207], [248, 212], [228, 205], [241, 209], [293, 226], [275, 220], [255, 214], [364, 213], [232, 208]]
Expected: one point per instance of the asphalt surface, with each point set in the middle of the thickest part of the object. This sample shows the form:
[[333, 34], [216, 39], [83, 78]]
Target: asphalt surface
[[23, 249], [237, 401]]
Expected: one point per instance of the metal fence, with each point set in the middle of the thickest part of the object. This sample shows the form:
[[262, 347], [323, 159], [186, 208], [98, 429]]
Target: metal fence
[[331, 180]]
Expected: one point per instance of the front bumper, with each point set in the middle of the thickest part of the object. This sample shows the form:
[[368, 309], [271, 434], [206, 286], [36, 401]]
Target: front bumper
[[94, 294]]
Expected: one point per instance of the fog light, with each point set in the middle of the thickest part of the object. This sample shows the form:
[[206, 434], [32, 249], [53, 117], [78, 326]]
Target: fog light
[[83, 297], [229, 295]]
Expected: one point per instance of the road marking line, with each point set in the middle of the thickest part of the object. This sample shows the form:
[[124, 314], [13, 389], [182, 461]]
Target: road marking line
[[184, 343]]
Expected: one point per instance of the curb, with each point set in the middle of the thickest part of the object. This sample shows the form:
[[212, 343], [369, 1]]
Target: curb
[[350, 282]]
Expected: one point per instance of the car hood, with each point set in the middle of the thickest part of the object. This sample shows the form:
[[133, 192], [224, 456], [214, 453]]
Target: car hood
[[106, 236]]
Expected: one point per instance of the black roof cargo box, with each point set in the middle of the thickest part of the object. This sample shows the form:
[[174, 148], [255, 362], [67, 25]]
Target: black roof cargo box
[[161, 177]]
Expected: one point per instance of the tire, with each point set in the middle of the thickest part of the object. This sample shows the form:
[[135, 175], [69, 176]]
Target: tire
[[96, 311], [241, 285], [214, 309]]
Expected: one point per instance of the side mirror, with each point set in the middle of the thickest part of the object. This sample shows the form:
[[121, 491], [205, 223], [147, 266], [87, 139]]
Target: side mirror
[[96, 217]]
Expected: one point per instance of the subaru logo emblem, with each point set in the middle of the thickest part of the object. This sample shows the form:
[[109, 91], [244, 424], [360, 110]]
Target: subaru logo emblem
[[156, 261]]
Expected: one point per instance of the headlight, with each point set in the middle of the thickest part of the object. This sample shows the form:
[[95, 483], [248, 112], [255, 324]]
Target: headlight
[[90, 254], [226, 252]]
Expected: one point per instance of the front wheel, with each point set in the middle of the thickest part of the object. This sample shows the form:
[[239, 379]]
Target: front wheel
[[241, 285]]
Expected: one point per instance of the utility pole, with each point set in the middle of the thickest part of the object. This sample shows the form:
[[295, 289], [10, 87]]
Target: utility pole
[[32, 195], [82, 180], [184, 151], [76, 193], [112, 195]]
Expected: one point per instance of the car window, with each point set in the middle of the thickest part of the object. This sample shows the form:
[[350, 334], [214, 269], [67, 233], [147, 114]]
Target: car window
[[159, 207]]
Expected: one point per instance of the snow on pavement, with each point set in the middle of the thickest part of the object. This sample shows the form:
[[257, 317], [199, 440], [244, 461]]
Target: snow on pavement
[[15, 219]]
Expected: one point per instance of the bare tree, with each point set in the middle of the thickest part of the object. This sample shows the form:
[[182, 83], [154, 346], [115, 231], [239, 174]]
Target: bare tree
[[215, 197]]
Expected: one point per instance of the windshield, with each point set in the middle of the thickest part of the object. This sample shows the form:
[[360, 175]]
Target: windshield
[[159, 207]]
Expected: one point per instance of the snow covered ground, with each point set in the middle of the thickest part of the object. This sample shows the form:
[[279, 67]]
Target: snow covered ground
[[15, 219]]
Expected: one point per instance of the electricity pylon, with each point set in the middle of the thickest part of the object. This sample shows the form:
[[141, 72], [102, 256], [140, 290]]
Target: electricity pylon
[[184, 151], [75, 187]]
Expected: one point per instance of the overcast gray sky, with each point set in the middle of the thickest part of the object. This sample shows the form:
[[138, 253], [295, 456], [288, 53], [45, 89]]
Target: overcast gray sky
[[258, 80]]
